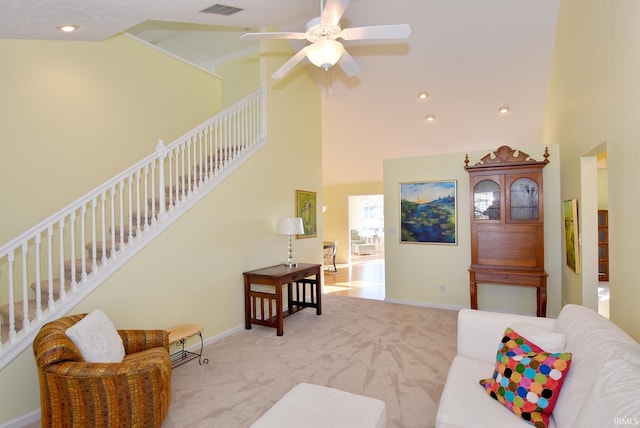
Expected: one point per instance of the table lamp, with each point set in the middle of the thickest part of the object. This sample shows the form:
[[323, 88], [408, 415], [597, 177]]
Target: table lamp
[[290, 226]]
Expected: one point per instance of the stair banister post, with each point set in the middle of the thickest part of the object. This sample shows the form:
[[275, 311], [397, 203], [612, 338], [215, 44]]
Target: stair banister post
[[12, 302], [26, 323], [161, 150]]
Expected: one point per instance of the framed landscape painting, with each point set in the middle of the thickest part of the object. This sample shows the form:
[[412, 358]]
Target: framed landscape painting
[[306, 209], [570, 213], [428, 212]]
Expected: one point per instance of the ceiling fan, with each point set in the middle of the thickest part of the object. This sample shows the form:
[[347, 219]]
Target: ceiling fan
[[324, 49]]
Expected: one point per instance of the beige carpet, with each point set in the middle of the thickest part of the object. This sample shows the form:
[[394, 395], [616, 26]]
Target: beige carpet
[[398, 354]]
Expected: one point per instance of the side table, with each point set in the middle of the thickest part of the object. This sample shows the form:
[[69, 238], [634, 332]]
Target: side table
[[265, 308], [179, 335]]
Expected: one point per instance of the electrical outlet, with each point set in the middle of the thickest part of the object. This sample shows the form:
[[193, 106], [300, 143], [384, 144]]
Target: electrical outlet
[[442, 288]]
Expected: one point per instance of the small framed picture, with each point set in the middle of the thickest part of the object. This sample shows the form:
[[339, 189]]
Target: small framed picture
[[306, 208], [570, 213]]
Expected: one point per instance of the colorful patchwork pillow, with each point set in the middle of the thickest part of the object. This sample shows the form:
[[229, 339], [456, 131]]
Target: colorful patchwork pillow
[[527, 380]]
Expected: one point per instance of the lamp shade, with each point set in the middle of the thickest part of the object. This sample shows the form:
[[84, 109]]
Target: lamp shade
[[325, 52], [290, 226]]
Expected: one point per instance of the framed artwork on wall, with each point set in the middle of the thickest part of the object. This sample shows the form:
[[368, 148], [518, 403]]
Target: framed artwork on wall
[[572, 244], [428, 212], [306, 209]]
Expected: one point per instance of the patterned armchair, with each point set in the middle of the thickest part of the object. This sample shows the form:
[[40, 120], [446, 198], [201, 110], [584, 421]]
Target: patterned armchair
[[75, 393]]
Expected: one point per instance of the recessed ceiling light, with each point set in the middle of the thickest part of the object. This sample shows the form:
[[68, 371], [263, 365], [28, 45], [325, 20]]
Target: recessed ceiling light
[[67, 28], [423, 95], [504, 110], [429, 118]]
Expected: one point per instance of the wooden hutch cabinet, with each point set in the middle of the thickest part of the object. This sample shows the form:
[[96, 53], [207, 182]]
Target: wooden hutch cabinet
[[603, 245], [507, 223]]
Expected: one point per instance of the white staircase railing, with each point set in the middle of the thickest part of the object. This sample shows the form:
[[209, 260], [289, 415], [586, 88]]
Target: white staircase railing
[[50, 268]]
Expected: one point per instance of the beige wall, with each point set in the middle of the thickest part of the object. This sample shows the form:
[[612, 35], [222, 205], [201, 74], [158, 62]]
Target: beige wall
[[336, 218], [603, 189], [240, 75], [193, 271], [73, 114], [416, 272], [593, 104]]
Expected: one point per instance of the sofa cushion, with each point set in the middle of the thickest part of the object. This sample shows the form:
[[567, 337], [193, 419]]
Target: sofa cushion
[[526, 379], [480, 331], [464, 404], [614, 398], [97, 339], [549, 341], [593, 340]]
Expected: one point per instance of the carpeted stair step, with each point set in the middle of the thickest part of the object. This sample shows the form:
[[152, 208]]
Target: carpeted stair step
[[4, 333], [221, 157], [102, 247], [194, 178], [44, 288], [134, 218], [88, 264], [19, 313], [176, 188], [157, 203], [125, 232]]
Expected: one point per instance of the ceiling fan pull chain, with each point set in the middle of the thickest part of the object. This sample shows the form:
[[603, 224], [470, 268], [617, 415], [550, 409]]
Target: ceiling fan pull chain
[[328, 83]]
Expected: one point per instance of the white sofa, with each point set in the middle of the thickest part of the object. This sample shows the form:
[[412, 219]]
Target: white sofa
[[601, 388]]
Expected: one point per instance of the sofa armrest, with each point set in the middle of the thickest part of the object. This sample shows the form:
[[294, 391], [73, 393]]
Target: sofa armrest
[[479, 332]]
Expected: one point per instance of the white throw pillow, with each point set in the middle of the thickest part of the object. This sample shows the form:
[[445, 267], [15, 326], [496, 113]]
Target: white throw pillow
[[549, 341], [97, 339]]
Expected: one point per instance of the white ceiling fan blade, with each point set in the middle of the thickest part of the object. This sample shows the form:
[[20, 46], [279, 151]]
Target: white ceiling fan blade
[[291, 62], [274, 35], [333, 11], [400, 31], [348, 64]]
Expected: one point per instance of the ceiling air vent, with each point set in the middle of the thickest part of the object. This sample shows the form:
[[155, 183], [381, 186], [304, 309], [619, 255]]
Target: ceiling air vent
[[221, 9]]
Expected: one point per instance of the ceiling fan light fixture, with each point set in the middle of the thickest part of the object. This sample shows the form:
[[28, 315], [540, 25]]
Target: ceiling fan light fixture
[[325, 52]]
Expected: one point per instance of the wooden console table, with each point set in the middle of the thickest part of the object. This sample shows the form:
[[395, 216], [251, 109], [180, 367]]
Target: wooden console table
[[510, 277], [264, 308]]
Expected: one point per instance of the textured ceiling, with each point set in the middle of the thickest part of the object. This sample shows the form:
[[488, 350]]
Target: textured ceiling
[[470, 56]]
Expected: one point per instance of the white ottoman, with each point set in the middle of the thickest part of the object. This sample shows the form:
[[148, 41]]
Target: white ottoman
[[315, 406]]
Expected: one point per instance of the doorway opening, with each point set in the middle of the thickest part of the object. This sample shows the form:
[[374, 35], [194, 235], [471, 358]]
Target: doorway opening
[[363, 274], [594, 195], [603, 234]]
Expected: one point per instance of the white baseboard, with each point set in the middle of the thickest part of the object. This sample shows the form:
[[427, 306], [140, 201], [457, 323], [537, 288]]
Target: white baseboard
[[217, 337], [425, 304], [23, 420]]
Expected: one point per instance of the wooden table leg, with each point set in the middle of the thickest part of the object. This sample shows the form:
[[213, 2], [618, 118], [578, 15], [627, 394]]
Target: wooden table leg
[[542, 298], [247, 304], [290, 297], [318, 293], [473, 290], [279, 317]]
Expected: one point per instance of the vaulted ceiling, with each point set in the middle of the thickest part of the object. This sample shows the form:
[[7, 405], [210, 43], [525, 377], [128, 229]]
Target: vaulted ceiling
[[471, 57]]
